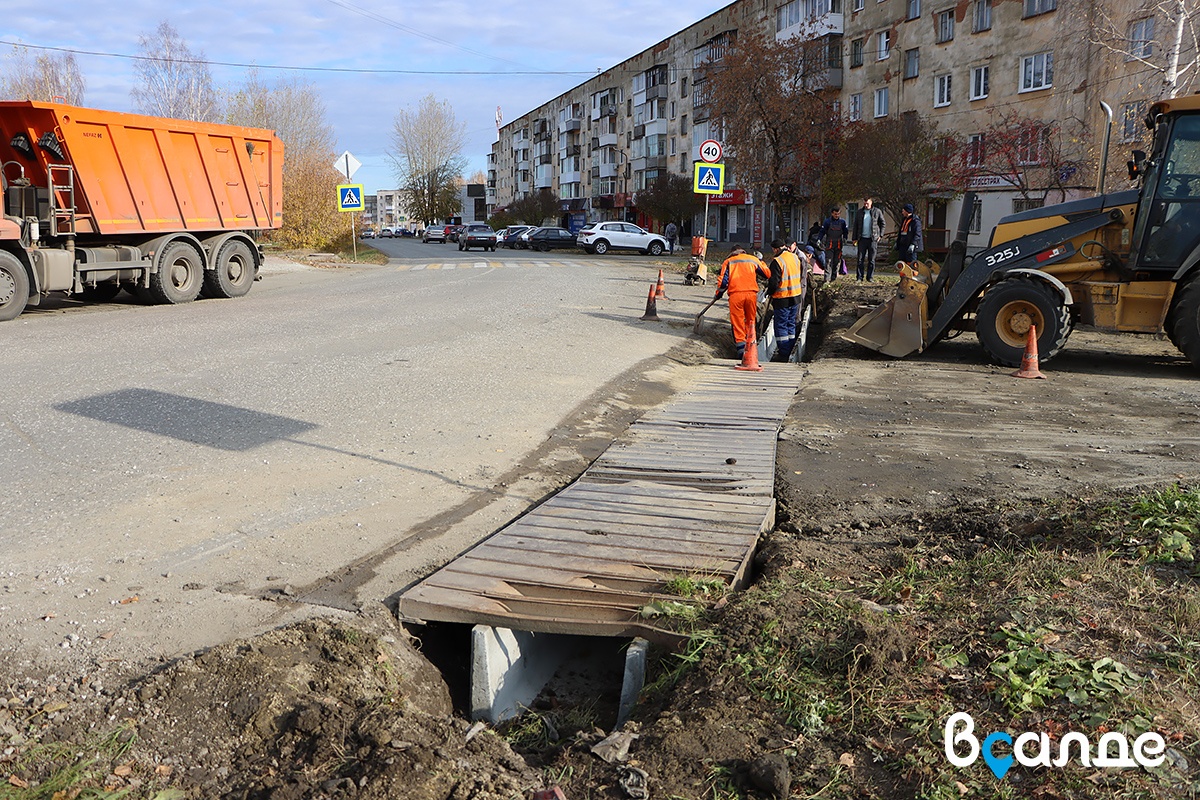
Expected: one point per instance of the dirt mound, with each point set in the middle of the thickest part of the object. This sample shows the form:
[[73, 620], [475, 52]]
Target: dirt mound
[[317, 709]]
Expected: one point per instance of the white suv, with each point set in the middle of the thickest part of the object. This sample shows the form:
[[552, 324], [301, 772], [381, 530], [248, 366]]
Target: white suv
[[604, 236]]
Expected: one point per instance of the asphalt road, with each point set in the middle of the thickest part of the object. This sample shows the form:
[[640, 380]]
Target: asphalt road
[[325, 440]]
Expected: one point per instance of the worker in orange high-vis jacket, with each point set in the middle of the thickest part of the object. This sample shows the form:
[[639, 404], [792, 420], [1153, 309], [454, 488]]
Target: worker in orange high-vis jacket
[[787, 287], [739, 276]]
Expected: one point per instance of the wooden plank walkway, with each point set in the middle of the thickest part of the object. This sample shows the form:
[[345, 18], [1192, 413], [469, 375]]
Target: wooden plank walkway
[[687, 490]]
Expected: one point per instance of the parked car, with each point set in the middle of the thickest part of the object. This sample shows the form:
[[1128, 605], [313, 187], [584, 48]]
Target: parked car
[[452, 232], [513, 234], [435, 233], [405, 232], [477, 235], [601, 237], [522, 242], [545, 239]]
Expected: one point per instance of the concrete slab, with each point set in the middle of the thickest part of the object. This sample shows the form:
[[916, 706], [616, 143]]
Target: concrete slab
[[509, 668]]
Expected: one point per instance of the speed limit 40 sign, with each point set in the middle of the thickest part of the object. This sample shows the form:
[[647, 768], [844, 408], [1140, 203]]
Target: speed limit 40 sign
[[711, 151]]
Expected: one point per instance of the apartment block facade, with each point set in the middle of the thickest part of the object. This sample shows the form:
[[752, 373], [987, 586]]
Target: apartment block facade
[[965, 65]]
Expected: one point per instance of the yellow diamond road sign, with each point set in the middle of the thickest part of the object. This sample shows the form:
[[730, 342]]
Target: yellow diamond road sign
[[708, 178]]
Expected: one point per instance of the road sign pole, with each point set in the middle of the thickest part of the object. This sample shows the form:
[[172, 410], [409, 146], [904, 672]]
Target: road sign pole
[[702, 260]]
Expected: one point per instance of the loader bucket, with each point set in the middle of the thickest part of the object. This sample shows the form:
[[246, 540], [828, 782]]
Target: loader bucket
[[897, 327]]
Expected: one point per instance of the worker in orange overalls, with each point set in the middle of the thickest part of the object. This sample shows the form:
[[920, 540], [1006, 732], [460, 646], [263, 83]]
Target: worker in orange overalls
[[739, 276]]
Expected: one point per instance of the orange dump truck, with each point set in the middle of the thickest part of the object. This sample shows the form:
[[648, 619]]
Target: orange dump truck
[[97, 201]]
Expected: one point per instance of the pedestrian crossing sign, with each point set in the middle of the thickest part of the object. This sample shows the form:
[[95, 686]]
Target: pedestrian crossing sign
[[350, 197], [708, 178]]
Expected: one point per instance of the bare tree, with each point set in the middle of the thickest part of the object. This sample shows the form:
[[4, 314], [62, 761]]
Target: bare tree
[[296, 113], [48, 77], [774, 100], [1029, 155], [174, 81], [1163, 35], [427, 147]]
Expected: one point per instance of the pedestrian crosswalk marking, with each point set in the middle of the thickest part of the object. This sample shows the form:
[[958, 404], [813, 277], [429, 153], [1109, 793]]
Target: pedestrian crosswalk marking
[[708, 179]]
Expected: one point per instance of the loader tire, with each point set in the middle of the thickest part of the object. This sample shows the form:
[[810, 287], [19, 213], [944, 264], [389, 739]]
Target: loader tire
[[1006, 312], [1183, 323]]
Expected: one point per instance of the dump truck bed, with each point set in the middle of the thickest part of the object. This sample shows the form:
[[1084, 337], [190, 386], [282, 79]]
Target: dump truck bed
[[135, 174]]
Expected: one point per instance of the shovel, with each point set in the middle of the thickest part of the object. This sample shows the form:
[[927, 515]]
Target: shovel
[[699, 317]]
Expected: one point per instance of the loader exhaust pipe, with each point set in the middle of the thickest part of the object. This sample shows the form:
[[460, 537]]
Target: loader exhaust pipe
[[1108, 112]]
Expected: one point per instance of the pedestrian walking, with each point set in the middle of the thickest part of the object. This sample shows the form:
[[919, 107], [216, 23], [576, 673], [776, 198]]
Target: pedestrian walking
[[908, 240], [868, 230], [786, 287], [672, 233], [834, 233], [739, 276]]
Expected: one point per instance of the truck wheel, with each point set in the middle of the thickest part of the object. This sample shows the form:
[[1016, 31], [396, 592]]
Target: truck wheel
[[1006, 312], [14, 287], [233, 273], [1183, 323], [179, 275]]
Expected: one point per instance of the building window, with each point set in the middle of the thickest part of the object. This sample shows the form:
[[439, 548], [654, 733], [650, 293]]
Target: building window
[[983, 15], [941, 90], [912, 63], [787, 15], [683, 128], [672, 109], [857, 5], [914, 9], [1035, 7], [1026, 204], [674, 150], [945, 25], [1141, 39], [1032, 143], [976, 150], [883, 42], [855, 107], [1131, 121], [976, 225], [856, 53], [979, 83], [881, 102], [683, 87], [1037, 72]]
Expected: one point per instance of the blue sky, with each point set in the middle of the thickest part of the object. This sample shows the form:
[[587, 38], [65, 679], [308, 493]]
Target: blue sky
[[500, 39]]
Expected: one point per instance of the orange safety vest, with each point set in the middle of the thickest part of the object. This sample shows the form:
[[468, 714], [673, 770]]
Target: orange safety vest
[[741, 271], [791, 283]]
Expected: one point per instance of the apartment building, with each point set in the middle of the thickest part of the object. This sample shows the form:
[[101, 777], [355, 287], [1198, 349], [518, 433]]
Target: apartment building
[[969, 66]]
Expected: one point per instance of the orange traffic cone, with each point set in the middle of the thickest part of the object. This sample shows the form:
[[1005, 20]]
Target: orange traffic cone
[[1029, 361], [651, 314], [750, 358], [661, 289]]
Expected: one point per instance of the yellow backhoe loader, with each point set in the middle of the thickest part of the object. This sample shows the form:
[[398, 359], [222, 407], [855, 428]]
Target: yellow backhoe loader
[[1121, 261]]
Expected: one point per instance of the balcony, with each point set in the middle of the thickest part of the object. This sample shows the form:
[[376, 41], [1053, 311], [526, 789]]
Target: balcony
[[545, 158], [574, 150], [816, 26], [570, 125], [656, 162], [606, 170], [523, 164], [491, 183], [655, 92], [656, 127], [595, 173], [523, 187], [607, 140], [639, 131], [569, 177], [608, 109]]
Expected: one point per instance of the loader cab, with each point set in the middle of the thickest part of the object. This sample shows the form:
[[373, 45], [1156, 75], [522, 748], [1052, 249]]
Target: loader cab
[[1167, 230]]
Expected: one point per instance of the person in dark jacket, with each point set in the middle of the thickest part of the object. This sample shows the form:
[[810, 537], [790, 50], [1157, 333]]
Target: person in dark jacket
[[814, 241], [834, 233], [908, 240], [867, 231]]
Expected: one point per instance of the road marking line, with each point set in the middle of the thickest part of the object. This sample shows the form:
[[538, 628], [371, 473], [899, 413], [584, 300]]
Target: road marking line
[[403, 267], [421, 266], [481, 265]]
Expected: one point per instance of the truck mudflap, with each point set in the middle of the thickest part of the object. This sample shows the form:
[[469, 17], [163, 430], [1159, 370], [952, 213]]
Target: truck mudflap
[[897, 327]]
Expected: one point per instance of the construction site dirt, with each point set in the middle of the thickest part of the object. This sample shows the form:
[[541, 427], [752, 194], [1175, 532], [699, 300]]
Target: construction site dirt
[[936, 514]]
